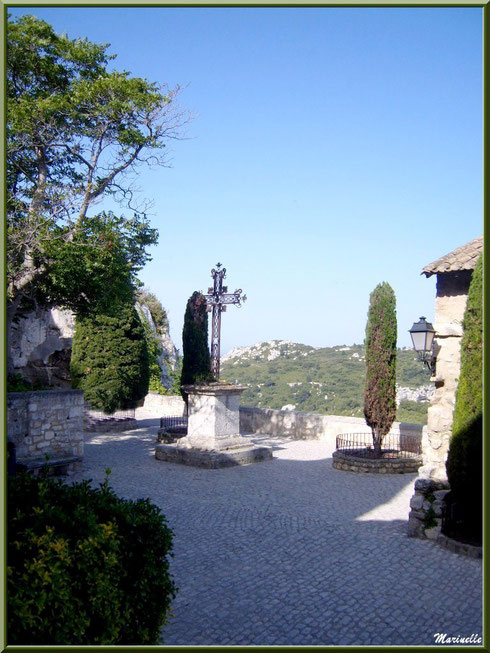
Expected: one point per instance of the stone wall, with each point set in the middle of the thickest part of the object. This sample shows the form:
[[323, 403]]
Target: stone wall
[[427, 505], [45, 422], [359, 465], [96, 421], [302, 426], [291, 424], [163, 405], [452, 292]]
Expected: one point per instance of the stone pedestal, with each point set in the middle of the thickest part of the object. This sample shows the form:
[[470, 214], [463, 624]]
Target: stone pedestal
[[213, 439]]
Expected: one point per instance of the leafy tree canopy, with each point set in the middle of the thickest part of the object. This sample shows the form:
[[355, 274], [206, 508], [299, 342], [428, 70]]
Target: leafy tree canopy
[[76, 133], [98, 265]]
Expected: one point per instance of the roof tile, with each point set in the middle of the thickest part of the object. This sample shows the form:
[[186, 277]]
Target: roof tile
[[462, 258]]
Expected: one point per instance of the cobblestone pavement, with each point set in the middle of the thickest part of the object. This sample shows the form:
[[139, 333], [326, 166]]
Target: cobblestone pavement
[[292, 551]]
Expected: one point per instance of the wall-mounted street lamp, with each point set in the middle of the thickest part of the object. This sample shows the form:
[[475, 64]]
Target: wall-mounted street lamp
[[422, 333]]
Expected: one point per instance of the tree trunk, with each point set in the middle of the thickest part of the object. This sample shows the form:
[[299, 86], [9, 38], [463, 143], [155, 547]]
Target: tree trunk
[[377, 441]]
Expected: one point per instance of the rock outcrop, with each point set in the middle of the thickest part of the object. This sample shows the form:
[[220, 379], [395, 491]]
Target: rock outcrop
[[41, 342], [169, 356]]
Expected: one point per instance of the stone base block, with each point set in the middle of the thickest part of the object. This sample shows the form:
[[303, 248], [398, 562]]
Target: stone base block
[[173, 453]]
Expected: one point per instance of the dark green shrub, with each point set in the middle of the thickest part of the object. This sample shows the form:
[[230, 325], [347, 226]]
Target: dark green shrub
[[464, 461], [84, 566], [110, 358], [196, 365], [380, 388], [16, 383]]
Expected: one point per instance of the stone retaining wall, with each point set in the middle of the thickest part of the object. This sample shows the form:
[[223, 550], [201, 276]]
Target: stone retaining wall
[[45, 422], [426, 505], [290, 424], [359, 465], [460, 547], [164, 405], [100, 422], [303, 426]]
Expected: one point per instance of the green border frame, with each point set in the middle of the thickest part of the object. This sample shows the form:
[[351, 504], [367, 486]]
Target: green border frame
[[4, 5]]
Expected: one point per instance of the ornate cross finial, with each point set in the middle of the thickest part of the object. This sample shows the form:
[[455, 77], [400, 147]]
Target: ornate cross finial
[[216, 301]]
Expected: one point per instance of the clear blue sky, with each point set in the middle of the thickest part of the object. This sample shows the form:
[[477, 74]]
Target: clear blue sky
[[333, 148]]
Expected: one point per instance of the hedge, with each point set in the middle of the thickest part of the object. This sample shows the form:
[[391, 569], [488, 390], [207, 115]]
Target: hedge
[[84, 566]]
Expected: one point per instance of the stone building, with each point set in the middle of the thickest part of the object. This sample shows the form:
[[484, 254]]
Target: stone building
[[454, 271]]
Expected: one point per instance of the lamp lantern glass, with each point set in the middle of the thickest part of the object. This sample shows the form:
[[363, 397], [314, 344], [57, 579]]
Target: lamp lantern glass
[[422, 333]]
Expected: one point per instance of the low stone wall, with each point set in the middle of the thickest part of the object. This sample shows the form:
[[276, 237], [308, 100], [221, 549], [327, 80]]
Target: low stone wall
[[426, 505], [461, 548], [45, 422], [290, 424], [304, 426], [163, 405], [96, 421], [359, 465]]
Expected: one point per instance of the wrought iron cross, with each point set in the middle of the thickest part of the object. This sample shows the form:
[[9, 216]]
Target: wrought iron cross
[[216, 301]]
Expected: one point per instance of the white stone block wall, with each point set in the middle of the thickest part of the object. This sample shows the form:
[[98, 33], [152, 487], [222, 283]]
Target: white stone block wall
[[162, 405], [452, 293], [45, 422]]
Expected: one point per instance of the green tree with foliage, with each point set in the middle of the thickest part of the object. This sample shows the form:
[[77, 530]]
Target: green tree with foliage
[[76, 133], [464, 461], [196, 365], [110, 361], [380, 342]]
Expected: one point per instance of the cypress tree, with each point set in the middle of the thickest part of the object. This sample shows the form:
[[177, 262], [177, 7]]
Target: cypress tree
[[464, 461], [110, 360], [380, 342], [196, 365]]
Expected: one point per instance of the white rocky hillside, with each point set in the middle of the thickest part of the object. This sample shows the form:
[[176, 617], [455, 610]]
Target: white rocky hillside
[[239, 361], [267, 351]]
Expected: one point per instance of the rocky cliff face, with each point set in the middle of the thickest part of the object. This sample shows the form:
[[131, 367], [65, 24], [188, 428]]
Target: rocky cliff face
[[41, 343], [169, 357]]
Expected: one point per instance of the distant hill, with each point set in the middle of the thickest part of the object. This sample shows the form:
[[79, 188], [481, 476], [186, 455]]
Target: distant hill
[[328, 380]]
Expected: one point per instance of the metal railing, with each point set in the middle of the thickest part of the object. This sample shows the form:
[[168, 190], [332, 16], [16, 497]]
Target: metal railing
[[174, 423], [396, 445]]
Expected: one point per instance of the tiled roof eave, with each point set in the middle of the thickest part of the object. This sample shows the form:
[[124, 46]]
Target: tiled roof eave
[[462, 258]]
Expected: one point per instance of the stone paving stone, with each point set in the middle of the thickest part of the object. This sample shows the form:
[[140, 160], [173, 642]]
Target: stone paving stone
[[291, 551]]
